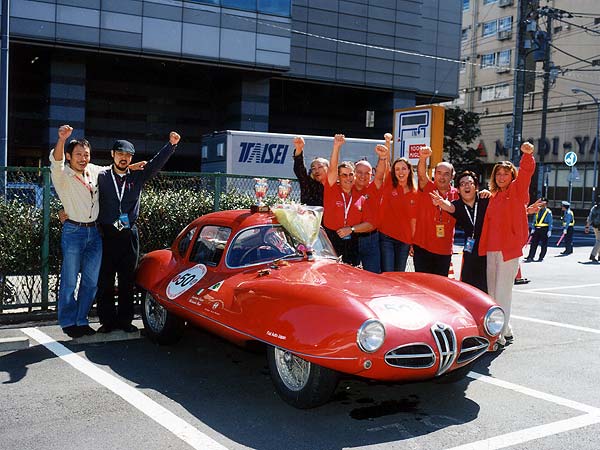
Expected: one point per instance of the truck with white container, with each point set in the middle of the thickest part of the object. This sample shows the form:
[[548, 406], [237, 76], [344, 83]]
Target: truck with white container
[[260, 154]]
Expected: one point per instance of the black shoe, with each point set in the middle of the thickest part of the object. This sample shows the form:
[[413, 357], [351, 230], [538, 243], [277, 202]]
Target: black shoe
[[564, 253], [129, 328], [528, 260], [509, 339], [105, 329], [73, 331], [540, 260], [86, 330], [592, 258]]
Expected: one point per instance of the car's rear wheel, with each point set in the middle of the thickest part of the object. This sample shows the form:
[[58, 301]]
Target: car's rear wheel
[[160, 325], [300, 383]]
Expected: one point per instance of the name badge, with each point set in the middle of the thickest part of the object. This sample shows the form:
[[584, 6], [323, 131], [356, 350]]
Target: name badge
[[439, 230], [469, 244], [122, 222]]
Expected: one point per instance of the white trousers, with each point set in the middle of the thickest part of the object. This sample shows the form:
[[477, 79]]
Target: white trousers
[[501, 278]]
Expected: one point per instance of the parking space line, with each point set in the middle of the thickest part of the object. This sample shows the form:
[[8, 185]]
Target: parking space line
[[556, 294], [530, 434], [591, 417], [179, 427], [536, 394], [560, 287], [557, 324]]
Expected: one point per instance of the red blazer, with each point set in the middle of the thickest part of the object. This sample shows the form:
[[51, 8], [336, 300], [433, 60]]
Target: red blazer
[[506, 216]]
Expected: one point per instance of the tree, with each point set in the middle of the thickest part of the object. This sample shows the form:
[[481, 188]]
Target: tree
[[460, 131]]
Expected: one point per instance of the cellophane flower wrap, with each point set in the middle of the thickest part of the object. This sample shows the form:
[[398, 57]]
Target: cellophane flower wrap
[[301, 221]]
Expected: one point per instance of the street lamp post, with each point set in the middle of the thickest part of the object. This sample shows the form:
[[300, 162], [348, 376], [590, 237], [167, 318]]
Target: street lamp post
[[597, 102]]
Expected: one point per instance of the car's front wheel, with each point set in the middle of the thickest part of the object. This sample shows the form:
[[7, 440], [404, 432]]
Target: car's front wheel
[[300, 383], [160, 325]]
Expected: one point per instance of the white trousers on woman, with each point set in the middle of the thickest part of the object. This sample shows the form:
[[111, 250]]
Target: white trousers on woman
[[501, 278]]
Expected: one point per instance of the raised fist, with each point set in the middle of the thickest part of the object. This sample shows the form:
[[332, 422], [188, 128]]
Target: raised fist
[[64, 132], [174, 138], [527, 147], [425, 152], [299, 143], [382, 151], [339, 140]]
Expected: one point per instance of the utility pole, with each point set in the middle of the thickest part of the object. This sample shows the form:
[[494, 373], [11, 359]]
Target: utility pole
[[523, 11], [542, 148], [4, 94]]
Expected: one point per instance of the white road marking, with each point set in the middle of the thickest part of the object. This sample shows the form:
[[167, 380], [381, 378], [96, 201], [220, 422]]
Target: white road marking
[[557, 324], [560, 287], [556, 294], [591, 417], [536, 394], [179, 427], [530, 434]]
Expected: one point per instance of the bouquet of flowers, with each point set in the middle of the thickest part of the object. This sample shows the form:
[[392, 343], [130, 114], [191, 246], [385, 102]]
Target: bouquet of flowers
[[301, 221]]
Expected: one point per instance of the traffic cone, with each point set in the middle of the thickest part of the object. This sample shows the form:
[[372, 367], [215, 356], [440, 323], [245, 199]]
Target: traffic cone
[[451, 271], [519, 278]]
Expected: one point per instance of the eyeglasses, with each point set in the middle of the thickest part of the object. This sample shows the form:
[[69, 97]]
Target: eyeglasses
[[466, 183], [346, 175]]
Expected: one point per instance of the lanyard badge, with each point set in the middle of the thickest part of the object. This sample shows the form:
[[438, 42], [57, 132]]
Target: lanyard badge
[[122, 222]]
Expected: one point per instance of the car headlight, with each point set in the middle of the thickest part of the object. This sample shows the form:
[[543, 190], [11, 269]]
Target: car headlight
[[370, 336], [494, 321]]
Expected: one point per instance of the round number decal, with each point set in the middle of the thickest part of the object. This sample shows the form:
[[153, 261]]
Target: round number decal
[[185, 280]]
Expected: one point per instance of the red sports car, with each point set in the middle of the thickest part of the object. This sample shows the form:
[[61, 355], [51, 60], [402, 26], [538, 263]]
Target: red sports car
[[244, 277]]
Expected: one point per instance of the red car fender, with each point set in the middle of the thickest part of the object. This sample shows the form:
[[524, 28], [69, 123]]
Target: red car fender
[[153, 268]]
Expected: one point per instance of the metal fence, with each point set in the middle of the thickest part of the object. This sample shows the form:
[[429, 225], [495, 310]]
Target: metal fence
[[30, 253]]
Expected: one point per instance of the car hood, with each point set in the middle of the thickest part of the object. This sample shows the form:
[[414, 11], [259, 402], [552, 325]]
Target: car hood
[[405, 300]]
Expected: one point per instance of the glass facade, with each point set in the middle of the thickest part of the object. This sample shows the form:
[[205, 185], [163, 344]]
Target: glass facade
[[273, 7]]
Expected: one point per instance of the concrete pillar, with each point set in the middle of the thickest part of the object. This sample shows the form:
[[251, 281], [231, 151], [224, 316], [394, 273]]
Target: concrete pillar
[[249, 107], [66, 98]]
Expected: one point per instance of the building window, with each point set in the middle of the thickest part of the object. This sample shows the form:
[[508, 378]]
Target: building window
[[220, 149], [488, 60], [505, 23], [466, 5], [489, 28], [205, 152], [463, 65], [370, 119], [465, 34], [495, 92], [247, 5], [275, 7], [504, 58], [487, 2]]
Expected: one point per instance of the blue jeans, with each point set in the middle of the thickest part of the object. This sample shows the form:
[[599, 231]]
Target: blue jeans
[[82, 253], [368, 252], [394, 254]]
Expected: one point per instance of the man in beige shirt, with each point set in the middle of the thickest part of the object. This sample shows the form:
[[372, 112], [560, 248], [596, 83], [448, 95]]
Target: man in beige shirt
[[76, 184]]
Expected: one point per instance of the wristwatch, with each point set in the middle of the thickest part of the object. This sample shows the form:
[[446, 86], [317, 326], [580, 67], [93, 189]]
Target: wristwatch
[[352, 228]]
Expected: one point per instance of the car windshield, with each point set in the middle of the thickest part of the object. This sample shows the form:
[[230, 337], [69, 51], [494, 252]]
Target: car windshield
[[266, 243]]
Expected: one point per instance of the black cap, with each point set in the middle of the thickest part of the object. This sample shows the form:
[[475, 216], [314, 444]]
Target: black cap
[[122, 145]]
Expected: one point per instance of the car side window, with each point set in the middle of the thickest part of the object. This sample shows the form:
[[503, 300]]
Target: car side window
[[210, 245], [185, 242]]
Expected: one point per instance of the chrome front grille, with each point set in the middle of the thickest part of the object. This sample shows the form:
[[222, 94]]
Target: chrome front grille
[[446, 342], [472, 348], [411, 356]]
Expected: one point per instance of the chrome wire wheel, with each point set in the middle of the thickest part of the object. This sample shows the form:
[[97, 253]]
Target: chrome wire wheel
[[294, 371], [156, 315]]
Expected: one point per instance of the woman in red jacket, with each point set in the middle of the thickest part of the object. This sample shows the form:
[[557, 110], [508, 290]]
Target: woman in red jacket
[[505, 230]]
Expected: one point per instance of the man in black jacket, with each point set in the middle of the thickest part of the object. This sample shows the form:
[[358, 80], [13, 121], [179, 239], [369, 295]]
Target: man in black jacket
[[311, 184], [120, 192]]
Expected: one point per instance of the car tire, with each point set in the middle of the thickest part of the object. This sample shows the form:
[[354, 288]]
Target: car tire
[[160, 325], [298, 382]]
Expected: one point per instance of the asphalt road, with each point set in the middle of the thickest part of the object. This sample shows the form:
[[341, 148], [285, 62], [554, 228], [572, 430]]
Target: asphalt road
[[539, 393]]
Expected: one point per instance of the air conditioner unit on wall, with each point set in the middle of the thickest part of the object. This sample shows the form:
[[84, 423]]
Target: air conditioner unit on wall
[[503, 3], [504, 35], [502, 69]]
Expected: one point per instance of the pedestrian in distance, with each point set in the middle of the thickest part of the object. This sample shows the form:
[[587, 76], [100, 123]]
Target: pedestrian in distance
[[505, 230], [75, 180], [311, 183], [434, 233], [593, 221], [541, 231], [120, 192], [568, 222]]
